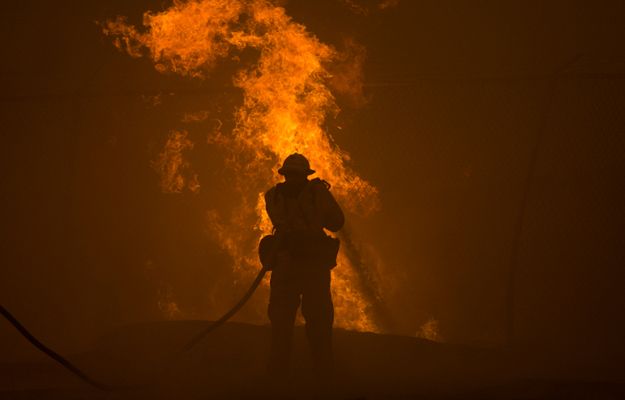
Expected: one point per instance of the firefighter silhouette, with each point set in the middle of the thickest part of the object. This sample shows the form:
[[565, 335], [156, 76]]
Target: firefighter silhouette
[[300, 209]]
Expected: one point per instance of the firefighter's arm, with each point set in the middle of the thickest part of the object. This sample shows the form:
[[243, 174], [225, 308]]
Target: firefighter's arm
[[332, 215], [271, 207]]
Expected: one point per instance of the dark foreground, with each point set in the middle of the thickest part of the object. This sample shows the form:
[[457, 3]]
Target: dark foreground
[[230, 363]]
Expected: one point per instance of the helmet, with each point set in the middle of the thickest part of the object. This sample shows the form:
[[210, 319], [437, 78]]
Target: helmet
[[296, 163]]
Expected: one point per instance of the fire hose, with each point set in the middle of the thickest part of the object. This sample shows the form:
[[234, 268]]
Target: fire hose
[[104, 386]]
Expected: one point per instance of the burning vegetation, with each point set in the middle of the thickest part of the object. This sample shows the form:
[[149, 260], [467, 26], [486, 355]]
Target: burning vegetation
[[287, 97]]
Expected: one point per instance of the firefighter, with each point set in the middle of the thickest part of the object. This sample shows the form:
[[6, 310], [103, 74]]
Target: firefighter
[[300, 209]]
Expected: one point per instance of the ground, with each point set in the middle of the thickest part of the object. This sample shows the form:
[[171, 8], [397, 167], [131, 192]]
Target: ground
[[230, 362]]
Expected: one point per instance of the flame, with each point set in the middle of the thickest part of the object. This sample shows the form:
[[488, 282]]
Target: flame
[[286, 100], [175, 171], [197, 116], [168, 307], [430, 331]]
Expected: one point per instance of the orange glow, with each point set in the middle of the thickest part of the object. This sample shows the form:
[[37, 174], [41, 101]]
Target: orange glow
[[430, 331], [286, 100], [174, 170]]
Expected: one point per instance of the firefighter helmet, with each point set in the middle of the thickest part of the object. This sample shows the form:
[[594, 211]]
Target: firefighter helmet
[[296, 163]]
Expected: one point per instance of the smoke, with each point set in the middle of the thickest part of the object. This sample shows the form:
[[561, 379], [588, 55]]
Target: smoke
[[348, 73], [367, 7]]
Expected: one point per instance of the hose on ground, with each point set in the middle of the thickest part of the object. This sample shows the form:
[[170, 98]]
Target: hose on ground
[[104, 386]]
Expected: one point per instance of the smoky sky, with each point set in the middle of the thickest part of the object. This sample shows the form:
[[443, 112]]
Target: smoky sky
[[460, 98]]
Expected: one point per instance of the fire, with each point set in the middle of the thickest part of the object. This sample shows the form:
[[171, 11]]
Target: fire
[[286, 100], [430, 331], [175, 171]]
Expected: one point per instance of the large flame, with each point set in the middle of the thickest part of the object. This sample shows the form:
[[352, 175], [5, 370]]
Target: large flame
[[286, 100]]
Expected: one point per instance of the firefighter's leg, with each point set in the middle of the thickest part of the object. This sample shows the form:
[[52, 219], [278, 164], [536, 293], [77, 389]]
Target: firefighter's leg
[[284, 300], [318, 312]]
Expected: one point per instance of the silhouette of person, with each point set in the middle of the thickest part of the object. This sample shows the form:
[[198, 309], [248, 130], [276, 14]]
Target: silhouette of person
[[300, 209]]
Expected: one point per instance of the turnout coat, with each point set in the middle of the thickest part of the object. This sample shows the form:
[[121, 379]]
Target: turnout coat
[[312, 210], [299, 220]]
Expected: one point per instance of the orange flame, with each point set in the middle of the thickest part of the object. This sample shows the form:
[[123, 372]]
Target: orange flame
[[286, 100], [174, 170], [430, 331]]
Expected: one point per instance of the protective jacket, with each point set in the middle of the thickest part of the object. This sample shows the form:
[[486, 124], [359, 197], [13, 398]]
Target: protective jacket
[[311, 210]]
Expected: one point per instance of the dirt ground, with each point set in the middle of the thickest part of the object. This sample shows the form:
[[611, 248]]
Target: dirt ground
[[230, 363]]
